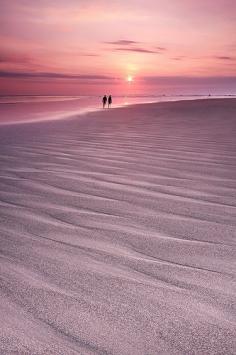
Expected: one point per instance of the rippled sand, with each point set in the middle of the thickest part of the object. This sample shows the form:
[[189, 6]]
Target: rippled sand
[[118, 232]]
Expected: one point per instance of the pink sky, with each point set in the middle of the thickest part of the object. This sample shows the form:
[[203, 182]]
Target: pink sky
[[75, 47]]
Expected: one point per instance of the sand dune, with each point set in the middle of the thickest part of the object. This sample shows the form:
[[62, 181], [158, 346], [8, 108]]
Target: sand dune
[[118, 232]]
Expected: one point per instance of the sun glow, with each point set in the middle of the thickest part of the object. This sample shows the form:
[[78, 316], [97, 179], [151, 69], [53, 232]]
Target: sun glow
[[129, 78]]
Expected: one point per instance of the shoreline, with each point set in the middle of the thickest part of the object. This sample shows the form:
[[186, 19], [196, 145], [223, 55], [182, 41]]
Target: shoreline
[[83, 110]]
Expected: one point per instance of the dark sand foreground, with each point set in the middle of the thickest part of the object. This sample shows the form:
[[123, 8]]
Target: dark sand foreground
[[118, 232]]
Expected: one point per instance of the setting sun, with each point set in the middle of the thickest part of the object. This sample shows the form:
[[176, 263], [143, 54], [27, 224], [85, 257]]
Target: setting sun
[[130, 79]]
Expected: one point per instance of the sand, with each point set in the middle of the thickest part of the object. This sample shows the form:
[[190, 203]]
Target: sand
[[118, 232]]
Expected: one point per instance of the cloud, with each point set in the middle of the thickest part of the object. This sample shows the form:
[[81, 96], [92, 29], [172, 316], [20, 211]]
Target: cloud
[[161, 49], [127, 45], [149, 80], [51, 75], [136, 49], [11, 57], [188, 80], [122, 42], [223, 57], [178, 58], [87, 55]]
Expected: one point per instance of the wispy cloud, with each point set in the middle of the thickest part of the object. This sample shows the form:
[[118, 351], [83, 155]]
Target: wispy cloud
[[178, 58], [87, 55], [122, 42], [136, 49], [188, 80], [224, 57], [11, 57], [51, 75], [162, 49], [128, 45]]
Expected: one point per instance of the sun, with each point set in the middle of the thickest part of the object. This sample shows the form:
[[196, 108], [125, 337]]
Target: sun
[[130, 78]]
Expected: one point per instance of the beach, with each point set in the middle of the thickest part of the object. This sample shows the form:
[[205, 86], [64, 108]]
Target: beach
[[118, 231]]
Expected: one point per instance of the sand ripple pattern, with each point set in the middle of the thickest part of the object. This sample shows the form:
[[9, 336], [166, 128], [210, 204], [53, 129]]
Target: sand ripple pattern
[[118, 232]]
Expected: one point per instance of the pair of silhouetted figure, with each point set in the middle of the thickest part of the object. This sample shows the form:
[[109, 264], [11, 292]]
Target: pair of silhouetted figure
[[106, 100]]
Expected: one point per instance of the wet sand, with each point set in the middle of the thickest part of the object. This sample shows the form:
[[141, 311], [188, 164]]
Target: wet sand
[[118, 232]]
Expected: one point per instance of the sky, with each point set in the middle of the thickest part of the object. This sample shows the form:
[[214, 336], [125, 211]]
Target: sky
[[92, 47]]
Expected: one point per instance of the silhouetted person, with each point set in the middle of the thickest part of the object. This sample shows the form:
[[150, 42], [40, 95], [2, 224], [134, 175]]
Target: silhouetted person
[[104, 100], [109, 100]]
